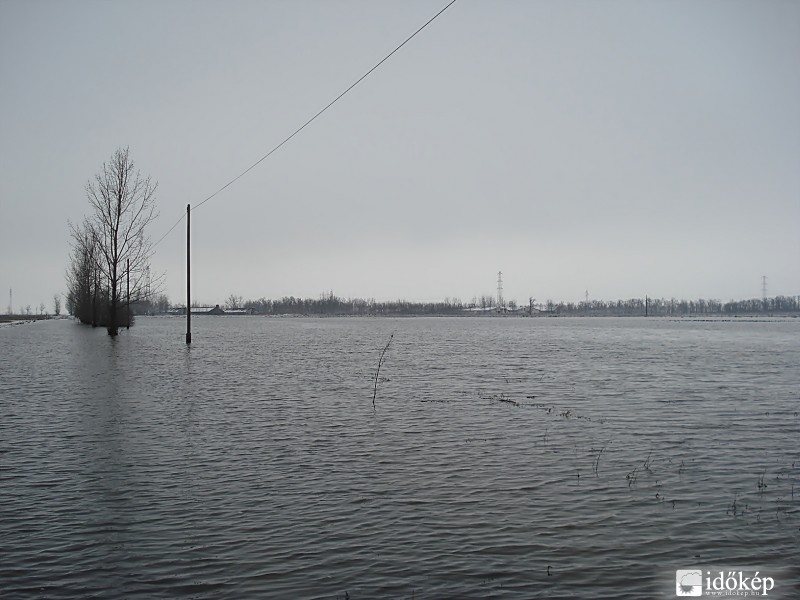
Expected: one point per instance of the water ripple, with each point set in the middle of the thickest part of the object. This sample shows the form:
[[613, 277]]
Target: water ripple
[[505, 458]]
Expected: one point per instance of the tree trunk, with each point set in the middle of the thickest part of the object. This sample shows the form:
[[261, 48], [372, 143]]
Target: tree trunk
[[112, 309]]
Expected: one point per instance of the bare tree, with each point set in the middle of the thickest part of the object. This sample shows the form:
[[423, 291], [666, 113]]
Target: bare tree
[[85, 298], [162, 303], [56, 304], [112, 245], [234, 301]]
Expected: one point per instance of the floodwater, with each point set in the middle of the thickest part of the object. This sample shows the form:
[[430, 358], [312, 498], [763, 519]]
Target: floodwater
[[504, 457]]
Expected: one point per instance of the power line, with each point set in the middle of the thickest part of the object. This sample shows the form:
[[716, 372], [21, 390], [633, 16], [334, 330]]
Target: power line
[[312, 119], [183, 216], [306, 124]]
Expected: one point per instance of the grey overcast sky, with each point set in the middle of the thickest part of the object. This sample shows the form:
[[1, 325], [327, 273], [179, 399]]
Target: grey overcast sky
[[620, 147]]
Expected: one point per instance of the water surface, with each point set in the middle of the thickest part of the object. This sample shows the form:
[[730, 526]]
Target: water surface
[[253, 464]]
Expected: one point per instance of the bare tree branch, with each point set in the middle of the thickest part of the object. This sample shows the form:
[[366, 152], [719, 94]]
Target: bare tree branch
[[112, 244]]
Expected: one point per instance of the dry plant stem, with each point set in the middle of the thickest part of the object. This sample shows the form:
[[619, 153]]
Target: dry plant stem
[[377, 373], [596, 464]]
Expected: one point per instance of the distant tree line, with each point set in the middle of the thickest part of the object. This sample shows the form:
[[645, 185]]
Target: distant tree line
[[331, 305], [673, 307], [151, 304]]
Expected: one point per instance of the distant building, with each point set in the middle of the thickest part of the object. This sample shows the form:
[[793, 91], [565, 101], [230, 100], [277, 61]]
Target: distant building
[[211, 310], [203, 310]]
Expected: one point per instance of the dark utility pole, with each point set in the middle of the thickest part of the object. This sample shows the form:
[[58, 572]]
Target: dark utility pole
[[128, 274], [188, 280]]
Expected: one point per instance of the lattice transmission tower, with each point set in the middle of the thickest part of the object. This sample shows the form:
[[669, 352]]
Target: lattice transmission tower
[[499, 289]]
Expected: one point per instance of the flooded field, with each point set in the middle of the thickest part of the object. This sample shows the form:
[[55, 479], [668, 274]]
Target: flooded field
[[504, 457]]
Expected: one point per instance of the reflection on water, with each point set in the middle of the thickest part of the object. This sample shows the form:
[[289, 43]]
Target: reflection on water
[[252, 464]]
